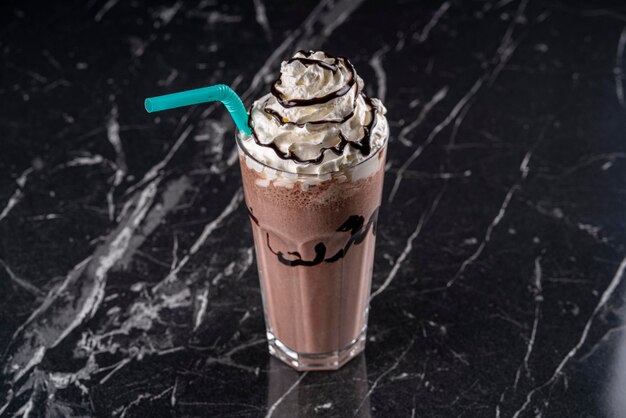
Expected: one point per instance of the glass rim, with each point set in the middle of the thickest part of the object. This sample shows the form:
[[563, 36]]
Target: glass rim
[[309, 175]]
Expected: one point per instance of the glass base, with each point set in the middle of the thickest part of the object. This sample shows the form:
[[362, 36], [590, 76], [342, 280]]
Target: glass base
[[326, 361]]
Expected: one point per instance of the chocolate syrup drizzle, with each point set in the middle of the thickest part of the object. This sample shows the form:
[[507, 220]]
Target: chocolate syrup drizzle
[[316, 100], [354, 224], [308, 61], [363, 144], [282, 120]]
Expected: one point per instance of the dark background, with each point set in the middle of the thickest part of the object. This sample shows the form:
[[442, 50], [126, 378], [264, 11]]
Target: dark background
[[499, 269]]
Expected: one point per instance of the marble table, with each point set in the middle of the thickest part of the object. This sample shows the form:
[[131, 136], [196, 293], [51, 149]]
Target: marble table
[[499, 274]]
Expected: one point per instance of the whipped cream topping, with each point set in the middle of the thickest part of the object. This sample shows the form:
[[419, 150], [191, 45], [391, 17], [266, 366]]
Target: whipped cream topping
[[316, 119]]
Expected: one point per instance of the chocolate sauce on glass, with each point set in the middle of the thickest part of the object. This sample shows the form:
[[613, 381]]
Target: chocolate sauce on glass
[[354, 225], [252, 217]]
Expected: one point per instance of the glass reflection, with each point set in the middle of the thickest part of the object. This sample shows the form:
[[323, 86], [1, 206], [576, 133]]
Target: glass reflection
[[317, 394], [616, 395]]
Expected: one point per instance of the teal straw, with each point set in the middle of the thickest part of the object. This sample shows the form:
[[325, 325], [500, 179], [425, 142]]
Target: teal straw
[[218, 93]]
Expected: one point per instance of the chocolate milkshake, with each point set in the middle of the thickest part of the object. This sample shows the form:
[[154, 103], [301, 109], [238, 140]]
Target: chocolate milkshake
[[313, 173]]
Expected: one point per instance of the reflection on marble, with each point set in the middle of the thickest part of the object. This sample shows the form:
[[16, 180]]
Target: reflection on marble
[[128, 286], [309, 394], [616, 390]]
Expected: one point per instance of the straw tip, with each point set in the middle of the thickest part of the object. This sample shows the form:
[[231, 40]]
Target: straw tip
[[148, 105]]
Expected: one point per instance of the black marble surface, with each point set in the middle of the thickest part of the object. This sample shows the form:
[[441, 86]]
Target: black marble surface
[[499, 282]]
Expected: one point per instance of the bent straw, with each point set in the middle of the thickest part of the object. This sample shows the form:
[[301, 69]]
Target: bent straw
[[217, 93]]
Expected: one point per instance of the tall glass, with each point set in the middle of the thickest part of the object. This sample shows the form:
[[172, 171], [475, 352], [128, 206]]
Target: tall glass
[[314, 238]]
